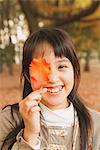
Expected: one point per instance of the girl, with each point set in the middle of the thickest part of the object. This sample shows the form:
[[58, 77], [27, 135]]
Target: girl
[[51, 115]]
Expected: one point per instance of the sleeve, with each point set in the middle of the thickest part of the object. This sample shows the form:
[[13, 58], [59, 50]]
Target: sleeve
[[21, 144], [7, 124], [96, 129], [96, 139]]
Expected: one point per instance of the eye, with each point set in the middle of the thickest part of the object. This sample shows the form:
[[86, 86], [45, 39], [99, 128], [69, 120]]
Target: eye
[[62, 67]]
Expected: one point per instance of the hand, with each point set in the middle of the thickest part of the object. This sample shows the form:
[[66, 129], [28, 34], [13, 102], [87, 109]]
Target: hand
[[30, 112]]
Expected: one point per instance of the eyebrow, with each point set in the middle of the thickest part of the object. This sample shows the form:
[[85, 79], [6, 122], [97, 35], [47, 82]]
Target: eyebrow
[[63, 60]]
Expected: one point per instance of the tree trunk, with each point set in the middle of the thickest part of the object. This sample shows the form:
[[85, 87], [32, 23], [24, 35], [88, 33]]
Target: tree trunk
[[30, 14]]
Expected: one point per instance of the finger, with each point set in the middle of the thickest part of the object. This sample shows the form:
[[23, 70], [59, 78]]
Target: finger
[[43, 90], [34, 96], [37, 94], [27, 104], [40, 91], [34, 109]]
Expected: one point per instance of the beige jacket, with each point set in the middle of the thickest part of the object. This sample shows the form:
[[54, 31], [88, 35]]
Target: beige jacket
[[51, 138]]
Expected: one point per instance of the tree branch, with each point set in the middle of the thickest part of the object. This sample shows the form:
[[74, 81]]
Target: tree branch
[[78, 17], [33, 14]]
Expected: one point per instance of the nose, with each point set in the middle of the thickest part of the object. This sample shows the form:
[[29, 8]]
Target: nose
[[53, 77]]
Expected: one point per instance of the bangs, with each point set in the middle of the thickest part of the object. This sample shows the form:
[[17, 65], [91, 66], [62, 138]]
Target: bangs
[[59, 42]]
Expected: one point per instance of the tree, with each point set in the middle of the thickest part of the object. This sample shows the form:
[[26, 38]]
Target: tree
[[56, 15]]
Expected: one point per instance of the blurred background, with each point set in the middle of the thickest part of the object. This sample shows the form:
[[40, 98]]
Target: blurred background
[[80, 18]]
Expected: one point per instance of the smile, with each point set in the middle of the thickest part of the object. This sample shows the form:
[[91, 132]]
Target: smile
[[54, 89]]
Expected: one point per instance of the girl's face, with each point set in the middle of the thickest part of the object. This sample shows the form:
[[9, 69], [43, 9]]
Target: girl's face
[[61, 78]]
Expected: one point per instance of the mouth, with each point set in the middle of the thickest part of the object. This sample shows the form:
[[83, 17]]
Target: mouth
[[55, 89]]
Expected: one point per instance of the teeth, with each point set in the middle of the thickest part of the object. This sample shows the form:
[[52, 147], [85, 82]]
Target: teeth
[[54, 90]]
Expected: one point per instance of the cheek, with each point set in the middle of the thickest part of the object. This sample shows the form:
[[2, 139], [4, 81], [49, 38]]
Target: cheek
[[68, 79]]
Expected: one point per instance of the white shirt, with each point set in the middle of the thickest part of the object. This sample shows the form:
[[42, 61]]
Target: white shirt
[[60, 117]]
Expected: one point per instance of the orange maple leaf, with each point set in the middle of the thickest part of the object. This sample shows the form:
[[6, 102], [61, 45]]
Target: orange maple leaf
[[39, 71]]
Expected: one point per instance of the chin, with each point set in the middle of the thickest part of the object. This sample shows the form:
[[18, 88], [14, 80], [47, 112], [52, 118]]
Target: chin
[[55, 103]]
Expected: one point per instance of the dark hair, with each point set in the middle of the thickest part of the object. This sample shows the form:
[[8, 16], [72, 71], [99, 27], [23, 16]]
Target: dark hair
[[63, 46]]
